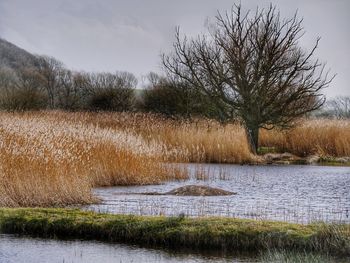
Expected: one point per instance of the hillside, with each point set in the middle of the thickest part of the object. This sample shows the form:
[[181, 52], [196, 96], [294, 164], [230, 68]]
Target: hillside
[[14, 57]]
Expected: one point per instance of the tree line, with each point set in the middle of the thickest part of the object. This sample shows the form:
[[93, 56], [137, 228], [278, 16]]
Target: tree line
[[50, 85], [249, 67]]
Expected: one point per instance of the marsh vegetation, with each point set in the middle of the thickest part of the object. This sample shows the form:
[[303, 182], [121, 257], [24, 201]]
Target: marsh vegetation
[[211, 233], [55, 158], [245, 93]]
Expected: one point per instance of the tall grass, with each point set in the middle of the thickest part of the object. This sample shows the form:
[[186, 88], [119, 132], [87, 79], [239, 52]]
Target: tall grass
[[202, 140], [196, 140], [55, 158], [47, 160], [323, 137], [285, 256]]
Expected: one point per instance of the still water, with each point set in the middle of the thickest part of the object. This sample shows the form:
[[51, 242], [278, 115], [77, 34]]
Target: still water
[[32, 250], [293, 193], [289, 193]]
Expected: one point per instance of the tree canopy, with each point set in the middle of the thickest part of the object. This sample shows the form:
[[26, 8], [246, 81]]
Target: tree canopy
[[251, 65]]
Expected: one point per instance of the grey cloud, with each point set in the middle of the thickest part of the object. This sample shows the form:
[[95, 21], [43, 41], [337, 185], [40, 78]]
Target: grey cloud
[[129, 35]]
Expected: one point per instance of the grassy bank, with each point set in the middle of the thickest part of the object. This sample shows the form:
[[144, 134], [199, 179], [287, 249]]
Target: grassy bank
[[206, 233]]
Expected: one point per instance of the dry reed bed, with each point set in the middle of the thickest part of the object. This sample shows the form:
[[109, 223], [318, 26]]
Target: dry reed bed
[[201, 140], [47, 160], [324, 137], [55, 158], [196, 140]]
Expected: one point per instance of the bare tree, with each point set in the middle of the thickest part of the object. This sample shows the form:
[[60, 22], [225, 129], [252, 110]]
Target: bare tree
[[50, 70], [175, 97], [24, 91], [71, 93], [7, 85], [107, 91], [339, 107], [7, 79], [252, 66]]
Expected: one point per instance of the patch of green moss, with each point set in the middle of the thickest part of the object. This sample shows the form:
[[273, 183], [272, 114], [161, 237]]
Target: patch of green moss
[[264, 150], [332, 161], [206, 233]]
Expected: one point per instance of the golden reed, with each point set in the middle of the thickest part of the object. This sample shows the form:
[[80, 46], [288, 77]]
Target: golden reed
[[54, 158]]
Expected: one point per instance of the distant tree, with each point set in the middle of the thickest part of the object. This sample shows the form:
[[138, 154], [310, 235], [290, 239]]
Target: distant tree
[[111, 92], [7, 84], [162, 96], [175, 97], [70, 93], [24, 92], [50, 71], [338, 107], [254, 66], [7, 79]]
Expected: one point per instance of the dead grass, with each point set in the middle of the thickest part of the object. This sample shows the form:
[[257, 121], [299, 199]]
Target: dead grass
[[208, 141], [323, 137], [198, 140], [47, 160], [55, 158]]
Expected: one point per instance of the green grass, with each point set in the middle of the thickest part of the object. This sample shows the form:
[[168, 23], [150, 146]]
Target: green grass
[[264, 150], [295, 257], [332, 161], [201, 233]]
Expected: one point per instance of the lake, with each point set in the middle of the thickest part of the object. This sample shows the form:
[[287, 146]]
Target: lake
[[292, 193], [34, 250]]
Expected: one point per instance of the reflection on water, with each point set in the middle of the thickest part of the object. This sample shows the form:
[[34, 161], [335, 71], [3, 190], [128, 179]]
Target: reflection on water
[[289, 193], [33, 250], [30, 250]]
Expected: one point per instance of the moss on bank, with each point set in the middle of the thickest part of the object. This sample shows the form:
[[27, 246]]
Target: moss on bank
[[207, 233]]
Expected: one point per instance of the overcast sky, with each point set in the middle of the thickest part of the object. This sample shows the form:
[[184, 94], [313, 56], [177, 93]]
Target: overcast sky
[[110, 35]]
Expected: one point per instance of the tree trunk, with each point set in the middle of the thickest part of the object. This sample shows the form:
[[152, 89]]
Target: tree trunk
[[253, 137]]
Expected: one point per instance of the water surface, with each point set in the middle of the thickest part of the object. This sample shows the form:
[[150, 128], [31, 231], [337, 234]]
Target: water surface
[[34, 250], [293, 193]]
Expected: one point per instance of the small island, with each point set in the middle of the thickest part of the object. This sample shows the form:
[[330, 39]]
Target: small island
[[194, 190]]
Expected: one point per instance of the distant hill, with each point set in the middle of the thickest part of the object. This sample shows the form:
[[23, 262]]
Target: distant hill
[[14, 57]]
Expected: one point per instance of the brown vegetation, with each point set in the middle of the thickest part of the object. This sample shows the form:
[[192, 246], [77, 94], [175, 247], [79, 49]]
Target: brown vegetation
[[196, 140], [55, 158], [46, 159], [208, 141], [323, 137], [252, 66]]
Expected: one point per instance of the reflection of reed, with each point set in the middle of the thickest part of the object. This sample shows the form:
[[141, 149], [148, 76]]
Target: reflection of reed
[[204, 207]]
